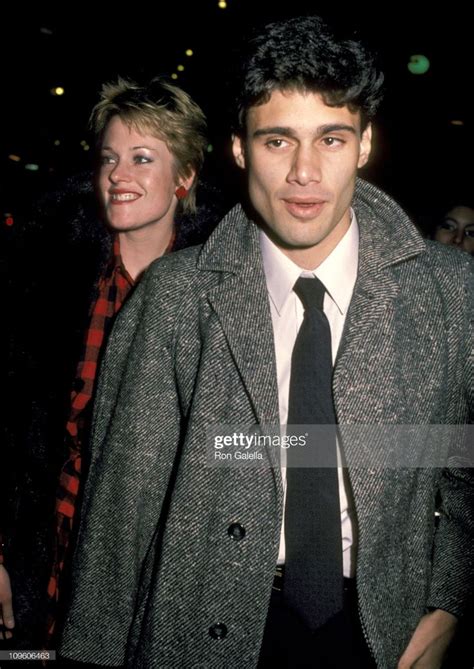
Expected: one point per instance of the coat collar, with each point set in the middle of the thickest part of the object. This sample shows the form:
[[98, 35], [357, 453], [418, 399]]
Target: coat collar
[[387, 236], [233, 247]]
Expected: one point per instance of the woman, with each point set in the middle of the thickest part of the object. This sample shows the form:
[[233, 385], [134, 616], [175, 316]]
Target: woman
[[151, 142], [457, 228]]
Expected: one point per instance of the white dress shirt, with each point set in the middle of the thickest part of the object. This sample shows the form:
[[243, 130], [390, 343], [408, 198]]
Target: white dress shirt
[[338, 274]]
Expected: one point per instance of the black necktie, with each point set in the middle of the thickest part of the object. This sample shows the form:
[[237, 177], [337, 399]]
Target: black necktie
[[313, 563]]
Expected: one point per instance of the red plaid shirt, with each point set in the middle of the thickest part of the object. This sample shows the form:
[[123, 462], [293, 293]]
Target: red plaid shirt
[[113, 288]]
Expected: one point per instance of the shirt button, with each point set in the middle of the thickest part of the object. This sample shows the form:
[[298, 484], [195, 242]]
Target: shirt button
[[236, 531], [218, 631]]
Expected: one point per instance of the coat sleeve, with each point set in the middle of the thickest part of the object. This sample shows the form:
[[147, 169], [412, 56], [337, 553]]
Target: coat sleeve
[[136, 433], [452, 585]]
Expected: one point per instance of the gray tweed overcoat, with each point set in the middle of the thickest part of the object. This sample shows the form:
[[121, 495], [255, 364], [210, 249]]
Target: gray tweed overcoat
[[160, 579]]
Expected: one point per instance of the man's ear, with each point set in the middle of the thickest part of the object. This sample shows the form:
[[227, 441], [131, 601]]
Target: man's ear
[[238, 149], [365, 146]]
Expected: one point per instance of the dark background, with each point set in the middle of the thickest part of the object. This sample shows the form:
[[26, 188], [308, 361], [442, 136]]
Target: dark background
[[420, 157]]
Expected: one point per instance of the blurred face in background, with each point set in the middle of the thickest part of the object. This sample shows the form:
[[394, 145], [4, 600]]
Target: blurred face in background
[[457, 229]]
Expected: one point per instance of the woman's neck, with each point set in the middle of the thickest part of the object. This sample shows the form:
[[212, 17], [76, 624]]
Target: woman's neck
[[139, 248]]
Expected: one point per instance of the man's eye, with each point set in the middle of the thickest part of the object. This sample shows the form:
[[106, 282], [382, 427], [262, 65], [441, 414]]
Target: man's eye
[[469, 232], [333, 141], [276, 143]]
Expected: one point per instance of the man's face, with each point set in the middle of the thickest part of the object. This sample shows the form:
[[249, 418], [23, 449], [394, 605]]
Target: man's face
[[301, 157]]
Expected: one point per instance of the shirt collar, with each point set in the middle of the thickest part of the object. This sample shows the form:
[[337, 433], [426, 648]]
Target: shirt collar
[[116, 263], [338, 271]]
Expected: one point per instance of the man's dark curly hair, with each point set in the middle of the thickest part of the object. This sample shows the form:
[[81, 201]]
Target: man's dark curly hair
[[304, 54]]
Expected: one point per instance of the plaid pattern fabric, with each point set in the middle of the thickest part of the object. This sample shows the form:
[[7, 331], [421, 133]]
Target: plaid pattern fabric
[[113, 288]]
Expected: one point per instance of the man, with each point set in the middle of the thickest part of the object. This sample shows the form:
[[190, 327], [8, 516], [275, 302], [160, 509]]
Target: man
[[176, 562]]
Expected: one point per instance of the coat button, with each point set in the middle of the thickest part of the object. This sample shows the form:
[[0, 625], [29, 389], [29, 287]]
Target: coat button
[[218, 631], [236, 531]]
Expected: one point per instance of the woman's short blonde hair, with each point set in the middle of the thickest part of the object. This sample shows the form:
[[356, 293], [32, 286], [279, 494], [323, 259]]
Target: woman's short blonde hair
[[164, 111]]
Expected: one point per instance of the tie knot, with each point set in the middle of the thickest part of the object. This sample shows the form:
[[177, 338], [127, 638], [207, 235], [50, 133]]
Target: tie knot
[[311, 292]]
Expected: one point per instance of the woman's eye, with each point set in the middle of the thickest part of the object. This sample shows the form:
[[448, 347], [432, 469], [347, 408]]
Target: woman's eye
[[141, 160], [107, 160], [448, 225]]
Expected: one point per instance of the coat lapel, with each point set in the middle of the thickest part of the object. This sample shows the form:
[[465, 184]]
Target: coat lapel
[[241, 303], [367, 383], [365, 376], [368, 329]]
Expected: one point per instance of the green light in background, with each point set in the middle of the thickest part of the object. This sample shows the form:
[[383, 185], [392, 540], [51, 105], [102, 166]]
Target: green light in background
[[419, 64]]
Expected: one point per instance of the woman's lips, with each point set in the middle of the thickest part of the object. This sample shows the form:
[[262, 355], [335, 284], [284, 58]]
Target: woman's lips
[[123, 197]]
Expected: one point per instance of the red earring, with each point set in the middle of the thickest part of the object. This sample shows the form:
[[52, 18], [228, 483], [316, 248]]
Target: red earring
[[181, 192]]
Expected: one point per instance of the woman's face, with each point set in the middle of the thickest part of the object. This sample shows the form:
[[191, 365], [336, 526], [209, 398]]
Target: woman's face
[[137, 178], [457, 229]]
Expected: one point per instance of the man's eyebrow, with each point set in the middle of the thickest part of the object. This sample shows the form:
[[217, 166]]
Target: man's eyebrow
[[275, 130], [321, 130], [336, 127]]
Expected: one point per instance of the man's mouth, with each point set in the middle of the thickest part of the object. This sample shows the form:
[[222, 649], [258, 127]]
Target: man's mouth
[[304, 208]]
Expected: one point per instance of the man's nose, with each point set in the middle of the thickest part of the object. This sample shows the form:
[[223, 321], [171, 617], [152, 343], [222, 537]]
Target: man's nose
[[306, 166]]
